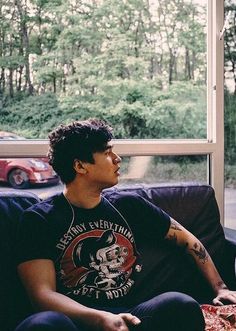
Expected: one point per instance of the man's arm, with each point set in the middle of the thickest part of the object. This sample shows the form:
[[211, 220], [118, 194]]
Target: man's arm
[[182, 237], [39, 279]]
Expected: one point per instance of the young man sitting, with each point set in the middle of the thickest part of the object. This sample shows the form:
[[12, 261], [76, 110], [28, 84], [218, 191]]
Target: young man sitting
[[78, 254]]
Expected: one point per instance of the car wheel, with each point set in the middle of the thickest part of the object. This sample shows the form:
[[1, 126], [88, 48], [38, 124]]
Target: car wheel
[[18, 179]]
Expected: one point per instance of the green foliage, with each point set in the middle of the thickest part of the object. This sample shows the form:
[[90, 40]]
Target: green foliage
[[11, 62], [230, 44], [230, 175], [230, 127], [32, 122], [142, 112]]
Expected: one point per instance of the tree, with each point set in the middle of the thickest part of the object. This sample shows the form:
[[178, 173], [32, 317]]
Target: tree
[[230, 82], [107, 58], [230, 43], [23, 28]]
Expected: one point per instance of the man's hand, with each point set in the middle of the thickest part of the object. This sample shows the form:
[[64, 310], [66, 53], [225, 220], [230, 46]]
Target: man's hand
[[119, 322], [225, 296]]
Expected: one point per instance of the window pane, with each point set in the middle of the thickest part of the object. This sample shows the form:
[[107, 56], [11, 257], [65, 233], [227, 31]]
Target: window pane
[[141, 65], [26, 173], [230, 208], [35, 175], [164, 169], [230, 114]]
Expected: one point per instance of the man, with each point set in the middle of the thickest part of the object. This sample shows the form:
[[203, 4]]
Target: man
[[79, 255]]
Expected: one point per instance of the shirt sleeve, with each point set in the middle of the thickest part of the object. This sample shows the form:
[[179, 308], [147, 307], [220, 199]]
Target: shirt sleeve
[[144, 217], [32, 238]]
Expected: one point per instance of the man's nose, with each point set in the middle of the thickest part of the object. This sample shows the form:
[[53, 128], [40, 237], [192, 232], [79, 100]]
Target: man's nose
[[117, 158]]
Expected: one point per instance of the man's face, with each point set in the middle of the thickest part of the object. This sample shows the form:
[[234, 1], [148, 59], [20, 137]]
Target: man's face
[[105, 170]]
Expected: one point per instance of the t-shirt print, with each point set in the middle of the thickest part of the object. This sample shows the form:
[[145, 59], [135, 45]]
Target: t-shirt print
[[98, 263]]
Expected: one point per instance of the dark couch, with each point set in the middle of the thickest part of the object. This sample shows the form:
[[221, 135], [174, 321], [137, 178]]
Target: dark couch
[[194, 206]]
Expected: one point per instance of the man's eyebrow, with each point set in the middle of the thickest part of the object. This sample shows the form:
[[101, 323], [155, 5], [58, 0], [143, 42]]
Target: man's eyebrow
[[110, 146]]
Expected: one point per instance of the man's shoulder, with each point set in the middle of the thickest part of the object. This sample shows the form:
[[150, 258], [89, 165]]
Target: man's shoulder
[[126, 198], [46, 205]]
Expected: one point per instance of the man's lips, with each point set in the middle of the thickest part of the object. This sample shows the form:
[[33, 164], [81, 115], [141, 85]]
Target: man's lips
[[117, 171]]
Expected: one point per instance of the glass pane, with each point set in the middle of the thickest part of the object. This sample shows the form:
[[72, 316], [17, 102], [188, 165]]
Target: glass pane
[[31, 174], [230, 114], [164, 169], [140, 65], [35, 175], [230, 208]]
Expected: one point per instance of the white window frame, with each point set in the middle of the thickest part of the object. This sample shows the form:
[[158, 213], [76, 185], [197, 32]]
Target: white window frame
[[213, 146]]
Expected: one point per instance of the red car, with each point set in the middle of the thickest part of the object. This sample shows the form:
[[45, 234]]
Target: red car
[[21, 173]]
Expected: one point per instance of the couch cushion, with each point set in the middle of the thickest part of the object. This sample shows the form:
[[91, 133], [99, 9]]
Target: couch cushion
[[14, 304]]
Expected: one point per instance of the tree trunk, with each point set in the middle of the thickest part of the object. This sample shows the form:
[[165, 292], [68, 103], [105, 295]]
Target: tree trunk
[[64, 84], [19, 82], [54, 85], [11, 88], [193, 65], [187, 65], [10, 76], [234, 83], [25, 38], [151, 68], [2, 81], [171, 66]]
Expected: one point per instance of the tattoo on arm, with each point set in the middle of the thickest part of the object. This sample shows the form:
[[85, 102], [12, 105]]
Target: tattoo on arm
[[175, 225], [172, 236], [200, 252]]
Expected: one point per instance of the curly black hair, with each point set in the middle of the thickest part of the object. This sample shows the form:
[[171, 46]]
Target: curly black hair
[[77, 140]]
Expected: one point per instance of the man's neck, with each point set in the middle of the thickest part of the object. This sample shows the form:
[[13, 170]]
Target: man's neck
[[81, 198]]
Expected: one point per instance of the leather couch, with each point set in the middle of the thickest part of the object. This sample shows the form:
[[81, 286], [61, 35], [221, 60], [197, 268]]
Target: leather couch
[[193, 205]]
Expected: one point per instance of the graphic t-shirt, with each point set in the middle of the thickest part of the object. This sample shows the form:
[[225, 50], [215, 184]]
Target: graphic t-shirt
[[95, 251]]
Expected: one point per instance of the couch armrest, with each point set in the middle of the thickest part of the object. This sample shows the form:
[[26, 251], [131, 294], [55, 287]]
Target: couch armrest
[[230, 236]]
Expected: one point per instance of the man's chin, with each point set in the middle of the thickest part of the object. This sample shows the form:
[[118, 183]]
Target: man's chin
[[110, 184]]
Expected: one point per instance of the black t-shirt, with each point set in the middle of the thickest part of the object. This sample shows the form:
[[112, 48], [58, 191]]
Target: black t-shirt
[[97, 252]]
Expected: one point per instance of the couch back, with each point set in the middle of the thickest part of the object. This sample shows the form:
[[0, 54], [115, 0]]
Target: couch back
[[14, 305], [194, 206]]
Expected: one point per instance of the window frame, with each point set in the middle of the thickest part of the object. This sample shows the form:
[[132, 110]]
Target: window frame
[[213, 146]]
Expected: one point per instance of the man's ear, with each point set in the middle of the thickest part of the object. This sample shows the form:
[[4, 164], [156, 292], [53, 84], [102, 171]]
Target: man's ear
[[79, 167]]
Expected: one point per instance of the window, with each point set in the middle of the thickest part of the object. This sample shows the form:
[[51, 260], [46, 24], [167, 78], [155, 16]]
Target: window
[[192, 99], [230, 118]]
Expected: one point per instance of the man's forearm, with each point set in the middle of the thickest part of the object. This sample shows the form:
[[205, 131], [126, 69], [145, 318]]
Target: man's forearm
[[93, 319], [204, 262], [51, 300], [178, 235]]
